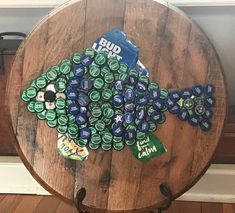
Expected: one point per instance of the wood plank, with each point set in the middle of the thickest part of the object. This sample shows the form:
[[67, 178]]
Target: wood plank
[[212, 207], [10, 203], [48, 204], [184, 207], [228, 208]]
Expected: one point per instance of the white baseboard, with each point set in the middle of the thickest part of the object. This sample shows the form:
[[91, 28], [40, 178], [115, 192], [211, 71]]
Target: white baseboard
[[217, 185]]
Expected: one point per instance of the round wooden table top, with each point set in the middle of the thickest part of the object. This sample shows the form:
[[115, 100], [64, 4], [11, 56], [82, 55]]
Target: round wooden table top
[[177, 54]]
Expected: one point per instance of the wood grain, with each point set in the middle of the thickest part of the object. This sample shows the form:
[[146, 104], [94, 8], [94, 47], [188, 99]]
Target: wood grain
[[177, 54]]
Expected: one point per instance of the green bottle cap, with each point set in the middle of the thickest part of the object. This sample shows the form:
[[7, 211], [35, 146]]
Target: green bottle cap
[[140, 135], [107, 137], [105, 70], [123, 68], [163, 119], [63, 120], [95, 139], [93, 146], [76, 58], [73, 129], [98, 83], [106, 146], [118, 146], [153, 85], [41, 115], [62, 129], [131, 127], [31, 106], [39, 106], [117, 139], [100, 58], [41, 82], [93, 130], [71, 74], [94, 71], [113, 63], [96, 112], [152, 126], [33, 84], [90, 52], [60, 112], [134, 72], [116, 76], [61, 79], [72, 119], [51, 75], [107, 94], [105, 105], [24, 96], [60, 86], [56, 68], [60, 103], [99, 125], [92, 120], [108, 112], [150, 110], [31, 92], [94, 95], [122, 76], [107, 121], [108, 78], [81, 142], [65, 67], [163, 93], [50, 115], [52, 123], [73, 136], [130, 142], [144, 79]]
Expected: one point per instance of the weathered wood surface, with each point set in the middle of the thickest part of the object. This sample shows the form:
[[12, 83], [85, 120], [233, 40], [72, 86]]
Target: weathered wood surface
[[177, 54]]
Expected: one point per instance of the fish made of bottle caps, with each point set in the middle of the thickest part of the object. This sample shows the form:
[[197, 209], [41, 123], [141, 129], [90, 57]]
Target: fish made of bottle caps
[[95, 100]]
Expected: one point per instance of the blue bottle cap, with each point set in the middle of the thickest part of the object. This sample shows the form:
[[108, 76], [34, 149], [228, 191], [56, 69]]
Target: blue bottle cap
[[175, 109], [117, 100], [129, 106], [86, 84], [74, 82], [205, 125], [209, 101], [86, 60], [83, 99], [85, 133], [186, 93], [78, 70], [158, 105], [169, 102], [154, 93], [128, 117], [118, 118], [175, 96], [142, 100], [129, 95], [183, 115], [140, 113], [130, 135], [193, 120], [81, 119], [197, 90], [73, 109], [72, 94], [156, 117], [119, 85], [83, 109], [143, 126], [209, 89], [117, 130], [208, 114], [142, 86]]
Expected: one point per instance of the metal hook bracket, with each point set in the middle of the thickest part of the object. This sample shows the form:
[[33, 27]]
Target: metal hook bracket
[[80, 196]]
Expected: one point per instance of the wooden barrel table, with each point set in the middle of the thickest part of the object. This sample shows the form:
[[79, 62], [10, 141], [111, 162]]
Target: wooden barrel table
[[177, 54]]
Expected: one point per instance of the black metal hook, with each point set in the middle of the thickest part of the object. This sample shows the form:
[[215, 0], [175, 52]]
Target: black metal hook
[[80, 196], [165, 190]]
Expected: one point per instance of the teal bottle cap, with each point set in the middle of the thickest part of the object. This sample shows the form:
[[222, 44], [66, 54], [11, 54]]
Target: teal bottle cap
[[118, 146], [107, 137], [60, 86], [73, 129], [81, 142], [41, 115], [90, 52], [65, 66], [60, 112], [95, 139], [31, 106], [94, 146], [123, 68], [93, 130], [76, 58], [108, 78], [99, 125], [107, 121], [24, 96], [140, 135], [62, 129], [72, 119], [51, 74], [108, 112], [96, 112], [130, 142], [105, 105], [117, 139], [105, 70], [106, 146], [107, 94], [73, 136]]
